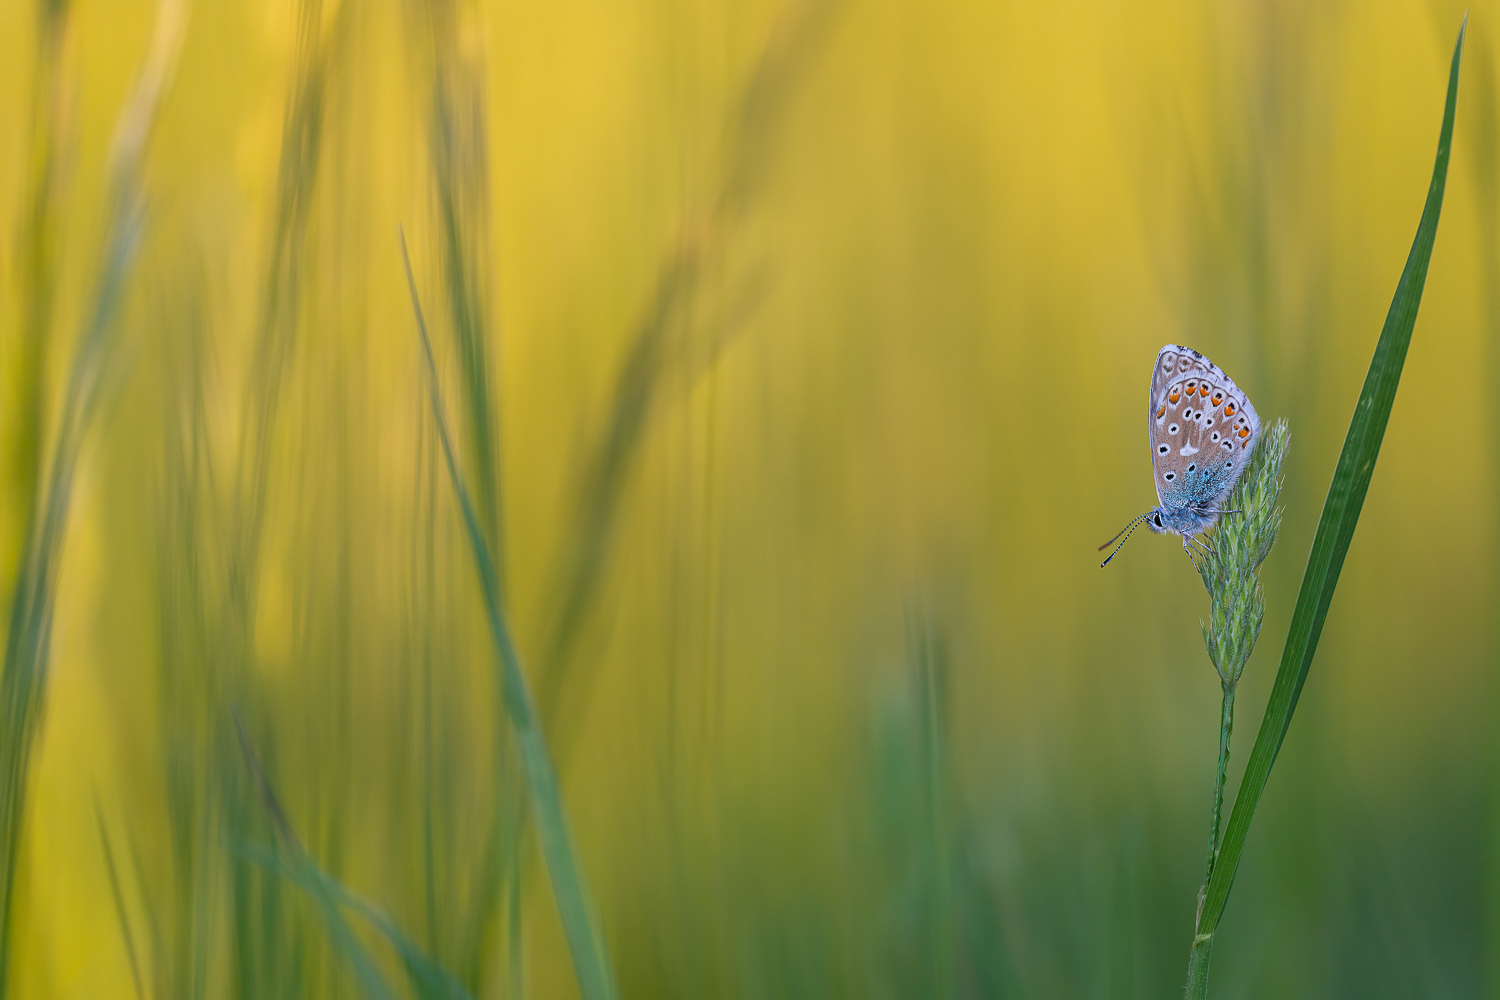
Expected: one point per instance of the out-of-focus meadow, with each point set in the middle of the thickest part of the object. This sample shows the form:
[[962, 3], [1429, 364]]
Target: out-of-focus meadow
[[794, 353]]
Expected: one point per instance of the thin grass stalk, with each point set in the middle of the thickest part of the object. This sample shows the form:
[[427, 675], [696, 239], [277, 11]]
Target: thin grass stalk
[[266, 957], [297, 173], [458, 153], [370, 980], [590, 961], [153, 936], [23, 683], [118, 896], [37, 258], [460, 166], [1226, 728], [927, 663], [185, 692], [293, 864], [704, 241]]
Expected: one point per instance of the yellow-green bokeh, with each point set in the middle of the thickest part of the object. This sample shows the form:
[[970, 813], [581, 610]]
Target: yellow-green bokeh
[[851, 709]]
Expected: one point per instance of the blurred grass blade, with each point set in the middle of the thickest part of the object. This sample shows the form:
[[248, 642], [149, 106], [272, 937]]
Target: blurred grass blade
[[299, 869], [760, 108], [429, 980], [37, 253], [28, 641], [1346, 495], [118, 895], [303, 142], [590, 962], [301, 872]]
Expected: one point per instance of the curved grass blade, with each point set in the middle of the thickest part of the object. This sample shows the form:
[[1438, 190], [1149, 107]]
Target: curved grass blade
[[590, 963], [294, 864], [1346, 495], [429, 980]]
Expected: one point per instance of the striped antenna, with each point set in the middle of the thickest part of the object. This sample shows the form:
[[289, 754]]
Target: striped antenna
[[1123, 531]]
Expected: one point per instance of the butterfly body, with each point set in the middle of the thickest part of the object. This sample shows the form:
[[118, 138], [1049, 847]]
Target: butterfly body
[[1202, 430]]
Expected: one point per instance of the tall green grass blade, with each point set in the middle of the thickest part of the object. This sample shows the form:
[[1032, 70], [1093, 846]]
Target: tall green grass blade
[[429, 980], [302, 149], [265, 949], [759, 110], [292, 863], [37, 255], [1346, 496], [299, 869], [460, 168], [458, 155], [590, 962], [301, 872], [28, 642]]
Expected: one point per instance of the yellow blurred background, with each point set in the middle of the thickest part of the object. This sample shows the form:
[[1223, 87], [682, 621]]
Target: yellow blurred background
[[795, 351]]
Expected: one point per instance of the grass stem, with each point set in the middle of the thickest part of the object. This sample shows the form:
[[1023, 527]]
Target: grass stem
[[1226, 725], [591, 964]]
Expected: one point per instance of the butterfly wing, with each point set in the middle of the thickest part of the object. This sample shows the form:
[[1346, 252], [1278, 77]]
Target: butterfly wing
[[1201, 428]]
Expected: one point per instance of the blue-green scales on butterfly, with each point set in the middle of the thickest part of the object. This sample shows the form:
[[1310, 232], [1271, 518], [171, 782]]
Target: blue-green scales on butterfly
[[1202, 430]]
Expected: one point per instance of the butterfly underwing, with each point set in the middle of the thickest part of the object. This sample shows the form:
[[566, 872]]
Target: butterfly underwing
[[1202, 430]]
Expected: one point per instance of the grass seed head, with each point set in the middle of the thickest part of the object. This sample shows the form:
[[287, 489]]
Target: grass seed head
[[1239, 545]]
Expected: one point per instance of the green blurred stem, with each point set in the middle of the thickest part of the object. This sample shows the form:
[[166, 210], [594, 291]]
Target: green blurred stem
[[1203, 944], [1197, 984], [590, 961], [1226, 723]]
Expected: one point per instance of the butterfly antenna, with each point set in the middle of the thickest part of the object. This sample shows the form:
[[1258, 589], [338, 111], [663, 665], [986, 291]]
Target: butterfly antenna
[[1123, 531], [1119, 533]]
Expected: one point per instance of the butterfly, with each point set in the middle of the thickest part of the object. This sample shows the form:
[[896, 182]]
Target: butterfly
[[1202, 430]]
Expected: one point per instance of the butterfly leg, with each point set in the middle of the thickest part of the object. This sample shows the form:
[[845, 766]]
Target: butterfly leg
[[1192, 557]]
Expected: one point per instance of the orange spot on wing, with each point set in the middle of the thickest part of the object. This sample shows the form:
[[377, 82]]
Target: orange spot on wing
[[1161, 413], [1244, 432], [1174, 397], [1204, 390], [1229, 410], [1218, 398]]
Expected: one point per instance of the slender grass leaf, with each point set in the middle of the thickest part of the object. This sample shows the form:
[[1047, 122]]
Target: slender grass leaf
[[429, 979], [119, 900], [1346, 495], [23, 679], [300, 870], [297, 867], [590, 962]]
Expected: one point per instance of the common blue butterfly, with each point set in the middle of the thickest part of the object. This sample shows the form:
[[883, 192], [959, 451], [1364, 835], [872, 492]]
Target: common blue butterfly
[[1202, 430]]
